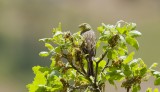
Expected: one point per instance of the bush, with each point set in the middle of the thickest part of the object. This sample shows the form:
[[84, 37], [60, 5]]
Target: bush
[[68, 69]]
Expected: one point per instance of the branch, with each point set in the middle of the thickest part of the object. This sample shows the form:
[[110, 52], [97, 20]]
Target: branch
[[102, 56], [95, 80], [97, 63], [70, 62], [82, 67], [105, 65], [78, 87], [74, 67], [128, 89]]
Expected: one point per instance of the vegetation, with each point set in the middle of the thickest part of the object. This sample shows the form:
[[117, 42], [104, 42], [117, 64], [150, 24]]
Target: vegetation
[[67, 71]]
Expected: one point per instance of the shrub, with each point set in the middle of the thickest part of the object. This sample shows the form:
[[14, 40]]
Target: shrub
[[67, 71]]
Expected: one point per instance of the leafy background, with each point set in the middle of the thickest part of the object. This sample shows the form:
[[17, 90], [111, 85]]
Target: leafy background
[[23, 22]]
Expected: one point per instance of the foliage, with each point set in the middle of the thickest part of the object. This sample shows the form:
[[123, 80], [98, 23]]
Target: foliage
[[67, 71]]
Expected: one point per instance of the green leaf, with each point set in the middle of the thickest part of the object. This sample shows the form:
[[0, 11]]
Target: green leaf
[[133, 42], [45, 40], [127, 70], [105, 48], [58, 49], [104, 25], [105, 36], [102, 63], [143, 71], [42, 88], [129, 58], [122, 39], [154, 65], [39, 79], [44, 54], [112, 29], [136, 88], [112, 54], [57, 29], [149, 90], [100, 29], [157, 81], [121, 30], [52, 65], [121, 51], [135, 33], [111, 81], [135, 62], [133, 26], [49, 46], [156, 90], [107, 33], [57, 34], [121, 26], [155, 73], [98, 43], [116, 74]]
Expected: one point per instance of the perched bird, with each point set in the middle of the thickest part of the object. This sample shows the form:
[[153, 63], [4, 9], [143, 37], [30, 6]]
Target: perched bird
[[88, 46]]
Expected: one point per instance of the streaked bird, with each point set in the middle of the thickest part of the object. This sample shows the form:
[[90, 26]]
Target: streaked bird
[[88, 46]]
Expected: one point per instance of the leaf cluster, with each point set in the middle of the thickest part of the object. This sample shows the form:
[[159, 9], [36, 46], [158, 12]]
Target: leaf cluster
[[67, 71]]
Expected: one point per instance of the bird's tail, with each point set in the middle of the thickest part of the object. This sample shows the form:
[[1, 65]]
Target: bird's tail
[[90, 70]]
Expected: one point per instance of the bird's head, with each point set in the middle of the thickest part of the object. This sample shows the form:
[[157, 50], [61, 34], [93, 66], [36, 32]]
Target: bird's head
[[85, 27]]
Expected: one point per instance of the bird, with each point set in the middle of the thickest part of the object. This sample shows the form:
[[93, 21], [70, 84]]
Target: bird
[[88, 46]]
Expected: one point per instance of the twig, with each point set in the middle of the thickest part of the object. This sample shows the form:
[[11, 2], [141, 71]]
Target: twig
[[128, 89], [102, 56], [78, 87], [70, 62], [97, 63], [82, 67], [76, 68], [95, 80], [105, 65]]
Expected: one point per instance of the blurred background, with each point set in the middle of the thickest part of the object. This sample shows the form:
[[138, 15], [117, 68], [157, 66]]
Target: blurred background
[[23, 22]]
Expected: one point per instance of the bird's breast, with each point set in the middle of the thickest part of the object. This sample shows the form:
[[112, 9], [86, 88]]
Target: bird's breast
[[90, 39]]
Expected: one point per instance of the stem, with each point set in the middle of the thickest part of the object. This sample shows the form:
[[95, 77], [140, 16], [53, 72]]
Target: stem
[[76, 69], [105, 65], [80, 72], [102, 56], [96, 73], [70, 62], [97, 63], [78, 87], [128, 89], [82, 66]]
